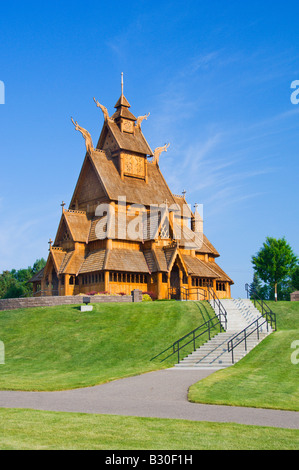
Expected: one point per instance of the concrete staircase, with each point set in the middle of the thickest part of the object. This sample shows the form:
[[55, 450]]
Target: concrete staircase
[[214, 354]]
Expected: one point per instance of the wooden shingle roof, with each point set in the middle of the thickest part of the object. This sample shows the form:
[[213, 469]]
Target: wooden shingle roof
[[38, 276], [94, 261], [78, 224], [151, 261], [154, 191], [221, 274], [131, 142], [126, 260], [200, 268], [58, 256], [161, 260], [65, 261]]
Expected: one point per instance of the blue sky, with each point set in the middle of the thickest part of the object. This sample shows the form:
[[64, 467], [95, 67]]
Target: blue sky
[[216, 77]]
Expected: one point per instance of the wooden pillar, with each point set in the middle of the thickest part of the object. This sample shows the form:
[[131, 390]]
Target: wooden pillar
[[159, 285], [66, 284], [227, 289], [168, 284], [181, 283], [189, 287], [106, 281]]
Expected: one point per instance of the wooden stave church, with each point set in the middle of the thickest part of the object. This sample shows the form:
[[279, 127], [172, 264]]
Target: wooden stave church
[[123, 164]]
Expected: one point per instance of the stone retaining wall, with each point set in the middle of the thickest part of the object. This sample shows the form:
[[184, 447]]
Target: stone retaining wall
[[48, 301]]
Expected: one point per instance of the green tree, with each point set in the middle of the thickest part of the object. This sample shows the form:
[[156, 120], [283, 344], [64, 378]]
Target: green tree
[[275, 263], [256, 287], [38, 265], [295, 279], [15, 283]]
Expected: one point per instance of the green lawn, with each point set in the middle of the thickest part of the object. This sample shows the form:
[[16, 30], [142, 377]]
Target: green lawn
[[40, 430], [61, 348], [266, 378]]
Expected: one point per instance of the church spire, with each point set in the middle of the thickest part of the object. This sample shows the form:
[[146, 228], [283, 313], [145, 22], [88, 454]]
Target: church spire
[[122, 116]]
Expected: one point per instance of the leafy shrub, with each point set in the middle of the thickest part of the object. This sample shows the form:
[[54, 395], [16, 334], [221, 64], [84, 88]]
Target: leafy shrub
[[152, 295], [146, 298]]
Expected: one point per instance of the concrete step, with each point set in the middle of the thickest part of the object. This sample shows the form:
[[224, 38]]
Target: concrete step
[[214, 354]]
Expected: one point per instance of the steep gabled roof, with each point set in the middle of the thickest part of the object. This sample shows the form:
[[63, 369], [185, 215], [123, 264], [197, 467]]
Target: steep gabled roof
[[154, 191], [77, 224], [58, 255], [131, 142]]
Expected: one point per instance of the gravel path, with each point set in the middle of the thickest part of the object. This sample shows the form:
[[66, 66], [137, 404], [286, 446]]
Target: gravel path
[[161, 394]]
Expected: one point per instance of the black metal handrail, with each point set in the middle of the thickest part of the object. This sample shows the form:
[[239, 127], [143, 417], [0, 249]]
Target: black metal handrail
[[183, 293], [198, 291], [221, 309], [207, 294], [244, 334], [176, 347], [266, 310]]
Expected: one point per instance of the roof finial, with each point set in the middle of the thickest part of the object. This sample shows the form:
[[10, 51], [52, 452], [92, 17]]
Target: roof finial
[[122, 83]]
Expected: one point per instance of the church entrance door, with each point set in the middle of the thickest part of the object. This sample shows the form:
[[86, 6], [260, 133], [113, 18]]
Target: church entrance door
[[175, 291], [54, 283]]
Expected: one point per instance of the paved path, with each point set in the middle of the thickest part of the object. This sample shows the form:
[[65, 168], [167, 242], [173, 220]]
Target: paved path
[[161, 394]]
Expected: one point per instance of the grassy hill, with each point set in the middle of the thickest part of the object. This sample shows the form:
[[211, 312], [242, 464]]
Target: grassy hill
[[61, 348], [47, 430], [266, 378]]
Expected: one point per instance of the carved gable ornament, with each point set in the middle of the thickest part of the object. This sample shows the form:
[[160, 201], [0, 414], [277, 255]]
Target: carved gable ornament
[[134, 165]]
